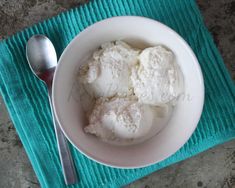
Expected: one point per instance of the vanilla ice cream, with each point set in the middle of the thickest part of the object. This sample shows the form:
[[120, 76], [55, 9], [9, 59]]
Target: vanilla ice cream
[[155, 78], [107, 73], [127, 95], [120, 119]]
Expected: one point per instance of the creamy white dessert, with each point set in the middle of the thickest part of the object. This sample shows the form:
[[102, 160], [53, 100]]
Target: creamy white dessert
[[120, 119], [107, 73], [156, 79], [127, 94]]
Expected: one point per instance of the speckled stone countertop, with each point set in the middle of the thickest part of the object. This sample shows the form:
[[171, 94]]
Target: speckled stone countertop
[[214, 168]]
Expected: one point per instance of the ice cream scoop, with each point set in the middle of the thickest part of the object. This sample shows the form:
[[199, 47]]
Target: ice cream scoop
[[120, 120], [107, 72], [156, 78]]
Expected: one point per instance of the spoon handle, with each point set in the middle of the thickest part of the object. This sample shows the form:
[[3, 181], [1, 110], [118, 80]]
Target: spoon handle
[[66, 160]]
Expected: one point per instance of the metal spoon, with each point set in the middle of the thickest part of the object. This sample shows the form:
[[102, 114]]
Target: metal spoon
[[42, 60]]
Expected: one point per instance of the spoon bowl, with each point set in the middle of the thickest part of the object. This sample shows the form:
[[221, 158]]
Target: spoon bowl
[[41, 54]]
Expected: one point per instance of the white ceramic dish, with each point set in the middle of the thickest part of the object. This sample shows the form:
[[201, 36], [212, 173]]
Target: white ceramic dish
[[140, 32]]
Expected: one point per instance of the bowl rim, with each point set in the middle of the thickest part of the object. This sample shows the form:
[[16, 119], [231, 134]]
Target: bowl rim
[[196, 63]]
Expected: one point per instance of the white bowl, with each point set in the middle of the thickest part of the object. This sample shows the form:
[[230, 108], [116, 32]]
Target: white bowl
[[137, 31]]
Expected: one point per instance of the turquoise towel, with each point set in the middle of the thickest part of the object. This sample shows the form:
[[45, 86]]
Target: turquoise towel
[[27, 103]]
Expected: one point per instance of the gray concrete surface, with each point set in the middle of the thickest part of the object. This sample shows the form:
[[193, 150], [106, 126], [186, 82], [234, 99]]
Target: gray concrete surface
[[214, 168]]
